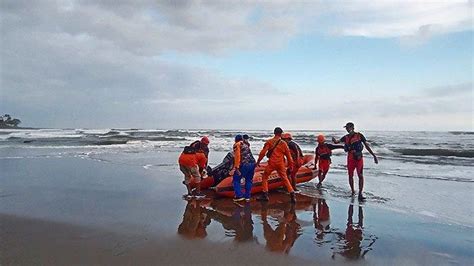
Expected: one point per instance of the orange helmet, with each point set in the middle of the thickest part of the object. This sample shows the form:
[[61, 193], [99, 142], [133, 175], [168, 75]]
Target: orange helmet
[[321, 138], [205, 140], [286, 135]]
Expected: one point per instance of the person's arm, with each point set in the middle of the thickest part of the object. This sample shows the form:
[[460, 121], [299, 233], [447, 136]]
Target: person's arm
[[263, 152], [236, 156], [316, 159], [201, 161], [337, 141], [288, 157], [333, 147], [364, 140], [298, 157]]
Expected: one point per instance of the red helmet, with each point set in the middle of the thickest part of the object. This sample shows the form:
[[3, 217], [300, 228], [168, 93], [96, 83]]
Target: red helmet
[[321, 138], [286, 135], [205, 140]]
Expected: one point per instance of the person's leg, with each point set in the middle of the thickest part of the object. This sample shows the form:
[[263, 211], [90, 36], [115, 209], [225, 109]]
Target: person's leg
[[351, 165], [236, 183], [294, 172], [266, 173], [187, 177], [249, 172], [320, 173], [360, 174], [323, 170], [197, 177], [281, 170]]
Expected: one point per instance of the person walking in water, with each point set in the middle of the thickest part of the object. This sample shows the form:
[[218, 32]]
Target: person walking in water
[[276, 150], [354, 143], [244, 166], [296, 155], [322, 158]]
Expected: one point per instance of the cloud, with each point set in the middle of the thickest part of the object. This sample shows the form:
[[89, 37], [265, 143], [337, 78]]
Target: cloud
[[464, 89], [97, 63], [405, 19]]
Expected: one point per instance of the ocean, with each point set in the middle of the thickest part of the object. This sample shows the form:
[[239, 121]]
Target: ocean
[[425, 174]]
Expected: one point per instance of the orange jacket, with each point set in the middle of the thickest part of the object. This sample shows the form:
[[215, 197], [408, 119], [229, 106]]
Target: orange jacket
[[279, 152], [201, 160], [237, 154], [191, 160], [188, 160]]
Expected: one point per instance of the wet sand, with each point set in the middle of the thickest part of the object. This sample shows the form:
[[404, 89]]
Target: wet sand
[[61, 211], [38, 242]]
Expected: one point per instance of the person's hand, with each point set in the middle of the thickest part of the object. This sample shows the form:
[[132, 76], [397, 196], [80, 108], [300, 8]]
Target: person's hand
[[237, 171], [315, 167], [334, 139], [376, 161]]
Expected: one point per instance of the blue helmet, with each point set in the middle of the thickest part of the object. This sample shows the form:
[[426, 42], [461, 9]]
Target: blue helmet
[[238, 137]]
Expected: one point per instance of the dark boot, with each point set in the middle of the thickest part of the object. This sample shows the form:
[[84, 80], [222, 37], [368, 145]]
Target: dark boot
[[292, 197], [263, 197]]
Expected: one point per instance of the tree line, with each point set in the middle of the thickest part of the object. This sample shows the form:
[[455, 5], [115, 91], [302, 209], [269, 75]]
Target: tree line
[[7, 121]]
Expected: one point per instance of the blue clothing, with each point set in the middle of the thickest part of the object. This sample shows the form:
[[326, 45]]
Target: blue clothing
[[246, 170]]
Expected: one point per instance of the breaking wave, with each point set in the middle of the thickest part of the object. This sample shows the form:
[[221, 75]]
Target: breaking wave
[[436, 152]]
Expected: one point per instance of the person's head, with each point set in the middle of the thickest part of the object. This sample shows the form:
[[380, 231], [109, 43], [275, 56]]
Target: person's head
[[238, 138], [205, 140], [286, 136], [246, 137], [321, 139], [278, 131], [349, 127]]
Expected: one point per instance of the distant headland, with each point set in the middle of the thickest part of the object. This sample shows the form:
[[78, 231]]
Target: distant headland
[[6, 121]]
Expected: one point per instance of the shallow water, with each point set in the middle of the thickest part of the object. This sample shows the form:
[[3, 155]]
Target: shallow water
[[113, 190], [420, 173]]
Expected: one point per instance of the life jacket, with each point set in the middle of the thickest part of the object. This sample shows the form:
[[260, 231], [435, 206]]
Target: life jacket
[[197, 145], [295, 150], [324, 151], [246, 155], [353, 143], [189, 150]]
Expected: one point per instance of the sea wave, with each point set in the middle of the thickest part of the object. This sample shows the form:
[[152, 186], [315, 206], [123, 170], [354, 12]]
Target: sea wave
[[436, 152], [462, 132]]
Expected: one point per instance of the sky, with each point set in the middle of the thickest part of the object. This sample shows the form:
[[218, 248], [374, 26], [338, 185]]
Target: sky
[[385, 65]]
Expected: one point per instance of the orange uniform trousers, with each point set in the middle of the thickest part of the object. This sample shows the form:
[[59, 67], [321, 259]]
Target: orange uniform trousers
[[281, 171]]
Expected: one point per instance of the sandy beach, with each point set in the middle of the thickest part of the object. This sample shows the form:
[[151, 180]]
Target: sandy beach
[[71, 210]]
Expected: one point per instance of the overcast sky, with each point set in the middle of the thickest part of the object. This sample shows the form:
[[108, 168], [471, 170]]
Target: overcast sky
[[395, 65]]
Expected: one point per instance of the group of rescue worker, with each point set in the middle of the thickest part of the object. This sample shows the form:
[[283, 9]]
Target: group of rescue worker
[[284, 156]]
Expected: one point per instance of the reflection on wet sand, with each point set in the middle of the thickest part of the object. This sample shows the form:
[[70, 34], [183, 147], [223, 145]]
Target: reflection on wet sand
[[280, 224], [321, 220], [195, 221], [354, 243], [283, 237]]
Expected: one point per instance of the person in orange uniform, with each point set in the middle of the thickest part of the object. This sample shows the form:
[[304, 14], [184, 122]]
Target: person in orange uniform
[[354, 143], [201, 146], [190, 162], [276, 150], [296, 155], [322, 158]]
